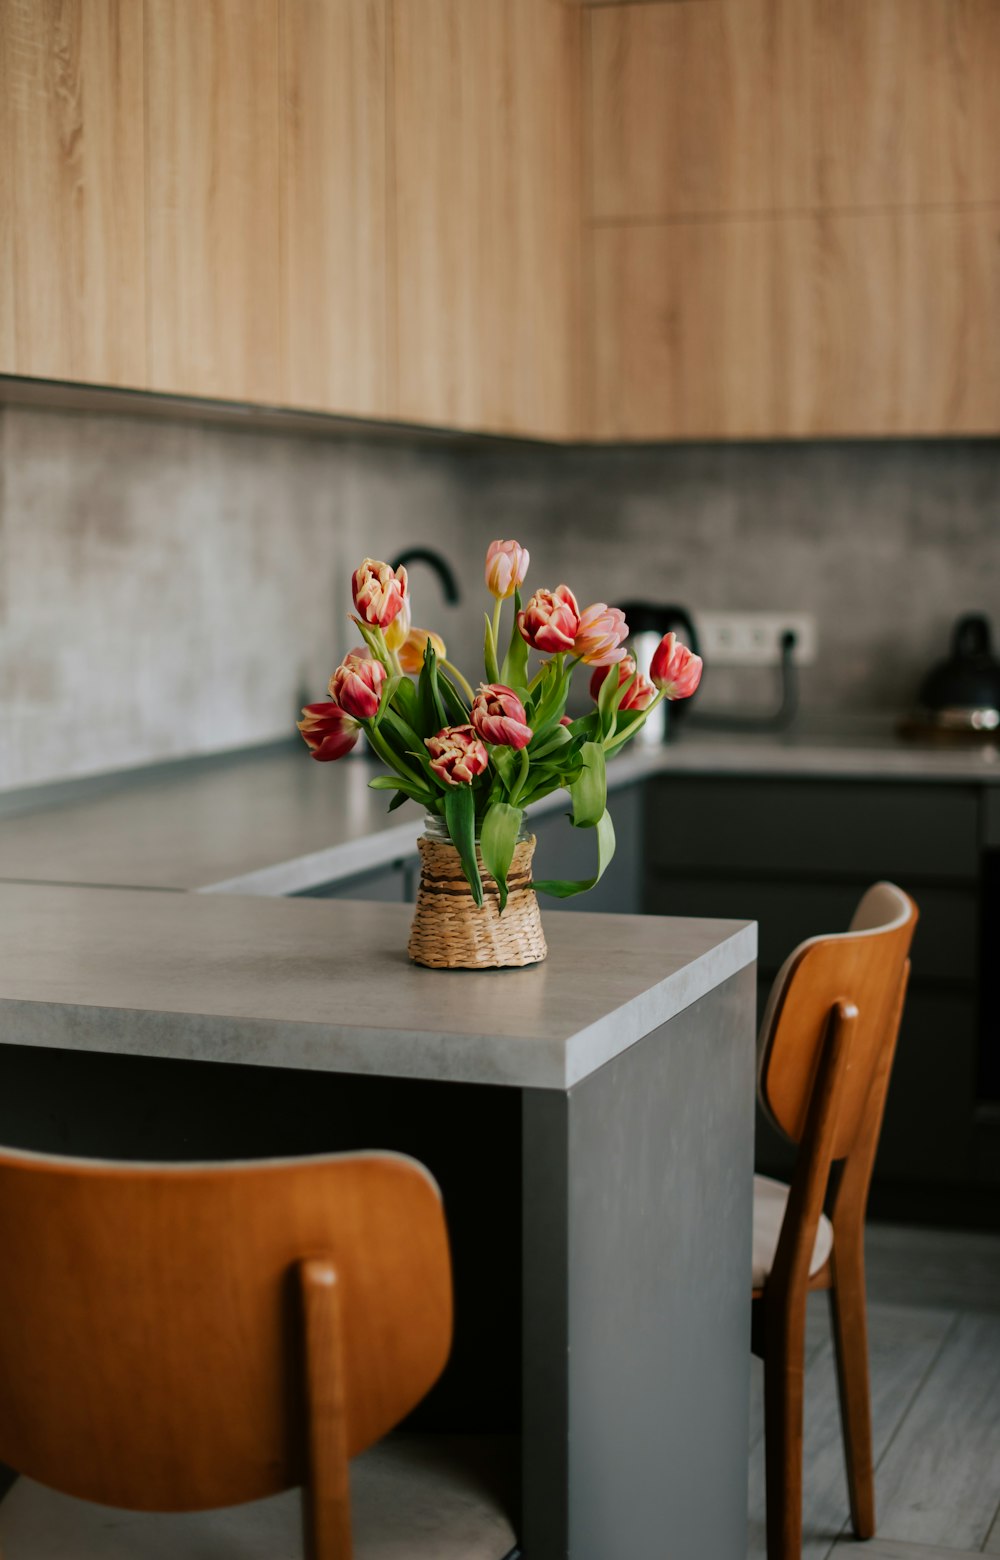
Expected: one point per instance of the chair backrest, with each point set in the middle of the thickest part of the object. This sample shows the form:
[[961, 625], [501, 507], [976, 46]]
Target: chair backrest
[[863, 966], [150, 1318]]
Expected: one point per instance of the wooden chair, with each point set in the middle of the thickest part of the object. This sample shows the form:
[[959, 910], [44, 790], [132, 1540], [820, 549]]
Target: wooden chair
[[827, 1045], [177, 1339]]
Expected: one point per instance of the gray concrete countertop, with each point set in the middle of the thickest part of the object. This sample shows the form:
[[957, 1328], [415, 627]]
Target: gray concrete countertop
[[326, 984], [273, 822]]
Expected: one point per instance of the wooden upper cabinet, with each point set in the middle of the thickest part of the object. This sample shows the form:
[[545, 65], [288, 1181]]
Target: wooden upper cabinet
[[212, 198], [695, 108], [333, 205], [72, 275], [905, 101], [884, 325], [484, 200]]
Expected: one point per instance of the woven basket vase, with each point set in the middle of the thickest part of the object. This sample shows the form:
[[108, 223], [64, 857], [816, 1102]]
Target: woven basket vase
[[451, 932]]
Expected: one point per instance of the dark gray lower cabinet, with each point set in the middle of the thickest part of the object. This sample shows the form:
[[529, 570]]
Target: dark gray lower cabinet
[[392, 884], [796, 856]]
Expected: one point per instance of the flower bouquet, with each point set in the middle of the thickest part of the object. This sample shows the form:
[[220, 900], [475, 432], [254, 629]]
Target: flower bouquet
[[475, 759]]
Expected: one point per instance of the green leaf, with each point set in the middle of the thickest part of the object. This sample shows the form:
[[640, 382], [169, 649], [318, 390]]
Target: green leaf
[[389, 688], [499, 837], [460, 816], [548, 742], [504, 761], [606, 701], [407, 701], [432, 715], [398, 800], [457, 711], [409, 788], [490, 653], [589, 789], [563, 888], [373, 639], [392, 758], [514, 671]]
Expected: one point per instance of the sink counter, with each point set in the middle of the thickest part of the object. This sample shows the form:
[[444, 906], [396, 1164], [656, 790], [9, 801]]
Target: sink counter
[[272, 822]]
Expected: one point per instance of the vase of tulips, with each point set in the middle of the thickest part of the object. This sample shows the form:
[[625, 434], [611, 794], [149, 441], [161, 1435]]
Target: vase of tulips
[[476, 758]]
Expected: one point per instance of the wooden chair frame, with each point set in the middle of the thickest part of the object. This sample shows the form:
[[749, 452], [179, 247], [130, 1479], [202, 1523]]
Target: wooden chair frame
[[177, 1338], [779, 1309]]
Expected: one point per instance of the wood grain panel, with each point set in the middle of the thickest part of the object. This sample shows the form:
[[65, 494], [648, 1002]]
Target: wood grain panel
[[333, 204], [212, 197], [485, 206], [907, 101], [690, 107], [887, 328], [683, 331], [71, 190]]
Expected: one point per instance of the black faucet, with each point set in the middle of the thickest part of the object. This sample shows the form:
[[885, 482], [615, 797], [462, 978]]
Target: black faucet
[[443, 569]]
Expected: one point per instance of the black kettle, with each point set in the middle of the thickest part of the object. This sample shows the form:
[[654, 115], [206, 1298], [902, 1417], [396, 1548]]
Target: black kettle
[[962, 693]]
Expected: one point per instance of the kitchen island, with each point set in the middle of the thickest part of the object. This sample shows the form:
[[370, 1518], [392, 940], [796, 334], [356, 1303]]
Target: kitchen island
[[590, 1120]]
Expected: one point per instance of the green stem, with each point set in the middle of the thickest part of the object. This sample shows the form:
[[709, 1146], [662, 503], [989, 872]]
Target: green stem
[[497, 609], [450, 666]]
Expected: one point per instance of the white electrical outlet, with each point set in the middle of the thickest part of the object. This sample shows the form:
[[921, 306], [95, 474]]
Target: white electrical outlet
[[754, 638]]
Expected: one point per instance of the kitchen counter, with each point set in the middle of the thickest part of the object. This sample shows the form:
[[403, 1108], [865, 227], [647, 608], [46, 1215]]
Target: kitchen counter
[[272, 822], [323, 984]]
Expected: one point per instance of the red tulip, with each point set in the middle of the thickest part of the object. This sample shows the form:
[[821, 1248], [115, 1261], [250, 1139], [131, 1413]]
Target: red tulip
[[457, 755], [599, 636], [379, 592], [639, 696], [550, 620], [506, 566], [499, 716], [356, 686], [327, 731], [675, 669]]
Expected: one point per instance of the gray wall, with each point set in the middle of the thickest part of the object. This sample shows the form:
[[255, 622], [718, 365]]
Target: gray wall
[[168, 588]]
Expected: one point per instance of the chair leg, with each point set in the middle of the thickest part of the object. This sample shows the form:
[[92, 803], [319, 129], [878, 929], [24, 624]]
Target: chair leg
[[784, 1381], [850, 1336]]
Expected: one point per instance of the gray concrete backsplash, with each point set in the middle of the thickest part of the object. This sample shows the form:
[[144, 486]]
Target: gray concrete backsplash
[[170, 588]]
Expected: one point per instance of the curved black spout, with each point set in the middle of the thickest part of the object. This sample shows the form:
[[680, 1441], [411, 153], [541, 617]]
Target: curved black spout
[[441, 567]]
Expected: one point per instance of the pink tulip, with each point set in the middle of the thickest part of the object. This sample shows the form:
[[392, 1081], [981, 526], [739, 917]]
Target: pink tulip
[[639, 696], [499, 716], [599, 636], [379, 592], [551, 620], [327, 731], [675, 669], [506, 566], [457, 755], [411, 651], [356, 686]]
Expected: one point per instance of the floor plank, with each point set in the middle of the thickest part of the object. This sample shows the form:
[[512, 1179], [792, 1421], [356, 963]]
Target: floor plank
[[889, 1549], [903, 1344], [939, 1481], [958, 1269]]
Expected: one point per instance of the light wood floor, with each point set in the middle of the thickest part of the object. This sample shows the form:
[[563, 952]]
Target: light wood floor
[[934, 1333]]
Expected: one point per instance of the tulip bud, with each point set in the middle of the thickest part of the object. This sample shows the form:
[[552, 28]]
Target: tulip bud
[[599, 635], [639, 696], [506, 566], [550, 620], [327, 731], [457, 755], [398, 629], [411, 652], [379, 592], [499, 716], [356, 686], [675, 669]]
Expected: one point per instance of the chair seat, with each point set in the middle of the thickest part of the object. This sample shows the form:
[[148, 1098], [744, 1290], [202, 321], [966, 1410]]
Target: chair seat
[[413, 1498], [770, 1199]]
